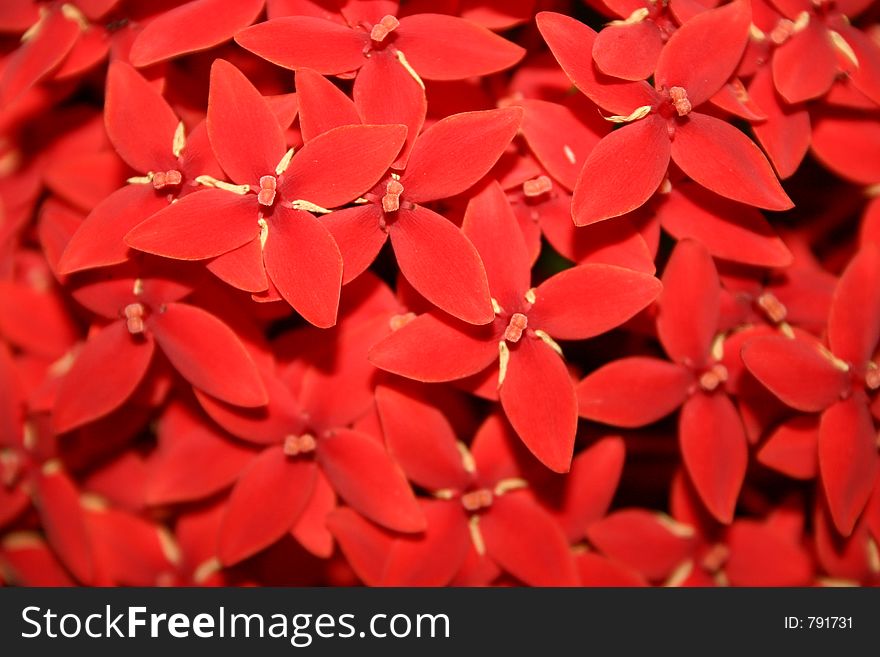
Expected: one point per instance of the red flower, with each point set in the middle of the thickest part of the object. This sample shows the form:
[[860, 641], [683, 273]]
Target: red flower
[[116, 358], [168, 159], [628, 165], [480, 503], [448, 158], [262, 222], [822, 44], [389, 56], [638, 390], [308, 453], [839, 383], [750, 552], [534, 386]]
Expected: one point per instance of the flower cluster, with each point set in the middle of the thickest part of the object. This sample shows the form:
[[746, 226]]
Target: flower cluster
[[439, 292]]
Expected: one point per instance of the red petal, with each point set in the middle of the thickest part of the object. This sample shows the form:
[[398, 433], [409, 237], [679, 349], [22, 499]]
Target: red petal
[[305, 265], [178, 472], [623, 171], [208, 354], [633, 392], [63, 520], [338, 389], [199, 226], [652, 544], [311, 529], [11, 402], [17, 16], [322, 105], [421, 440], [525, 541], [285, 107], [495, 450], [538, 398], [340, 165], [105, 374], [734, 99], [265, 425], [854, 320], [607, 242], [386, 93], [242, 268], [804, 67], [244, 133], [441, 47], [434, 557], [31, 562], [571, 43], [130, 551], [589, 489], [306, 42], [454, 153], [363, 474], [36, 320], [847, 460], [270, 495], [434, 347], [140, 123], [683, 62], [792, 448], [761, 557], [866, 76], [848, 558], [847, 143], [86, 179], [690, 304], [628, 51], [785, 133], [720, 157], [587, 300], [194, 26], [491, 226], [728, 229], [366, 546], [559, 138], [367, 12], [441, 264], [714, 449], [358, 235], [99, 240], [796, 371], [596, 570], [39, 55]]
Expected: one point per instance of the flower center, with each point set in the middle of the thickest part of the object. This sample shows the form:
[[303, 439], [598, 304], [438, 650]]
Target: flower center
[[399, 321], [296, 445], [383, 28], [162, 179], [772, 307], [716, 557], [134, 318], [679, 98], [391, 199], [537, 187], [476, 500], [518, 323], [782, 31], [713, 377], [266, 195]]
